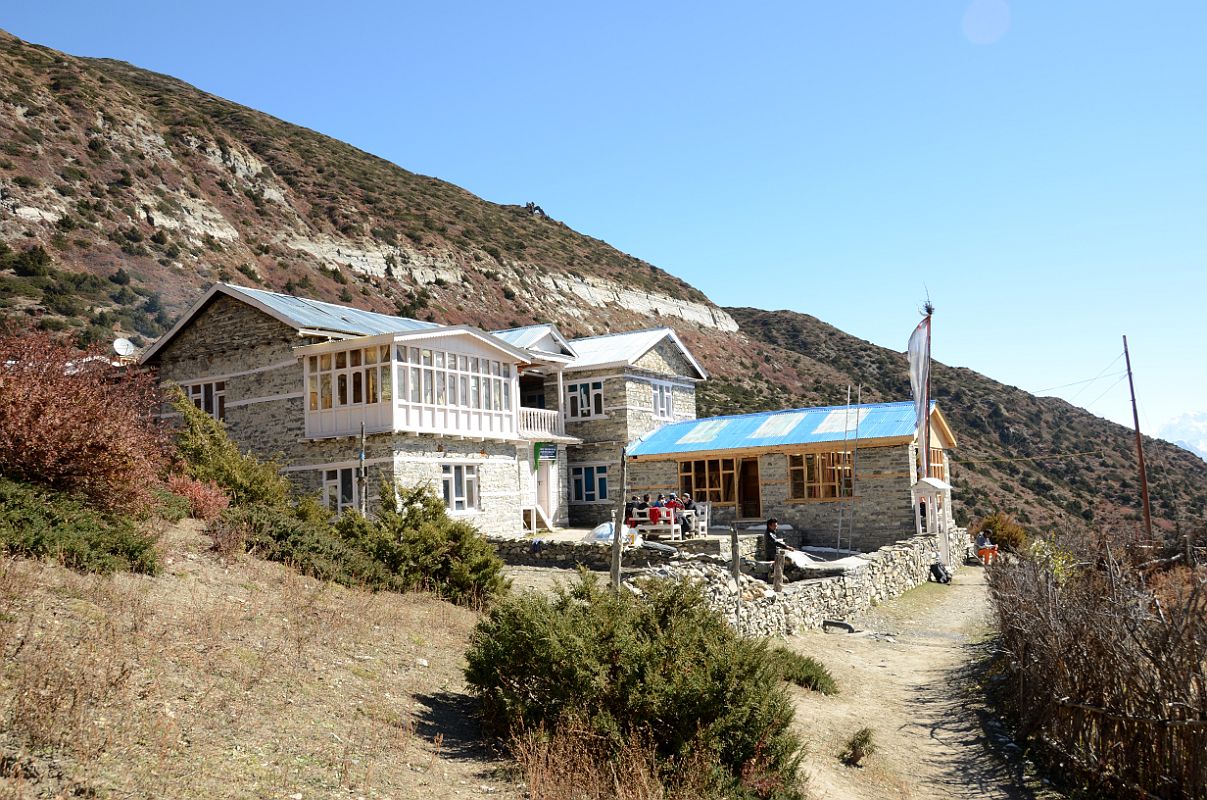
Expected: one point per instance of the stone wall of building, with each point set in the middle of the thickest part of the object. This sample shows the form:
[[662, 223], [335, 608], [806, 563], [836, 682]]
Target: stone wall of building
[[252, 353], [882, 508]]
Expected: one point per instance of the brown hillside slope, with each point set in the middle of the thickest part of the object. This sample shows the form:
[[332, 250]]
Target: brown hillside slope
[[123, 193], [1087, 471], [232, 680]]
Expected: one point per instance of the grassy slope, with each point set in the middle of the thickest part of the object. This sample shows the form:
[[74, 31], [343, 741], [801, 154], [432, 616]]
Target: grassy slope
[[241, 680]]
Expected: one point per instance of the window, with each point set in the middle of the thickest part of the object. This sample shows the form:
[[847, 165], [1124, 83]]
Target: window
[[439, 378], [708, 479], [209, 397], [663, 406], [584, 400], [819, 476], [339, 489], [589, 484], [460, 483], [348, 378]]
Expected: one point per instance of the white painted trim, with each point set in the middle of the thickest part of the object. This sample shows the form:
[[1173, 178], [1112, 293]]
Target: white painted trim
[[266, 399], [338, 464]]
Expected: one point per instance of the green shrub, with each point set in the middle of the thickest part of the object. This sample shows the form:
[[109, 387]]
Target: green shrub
[[413, 536], [804, 671], [663, 665], [410, 545], [42, 523], [861, 745], [209, 455], [169, 507], [277, 533]]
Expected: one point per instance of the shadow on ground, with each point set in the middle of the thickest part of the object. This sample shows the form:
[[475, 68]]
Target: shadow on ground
[[450, 719], [955, 711]]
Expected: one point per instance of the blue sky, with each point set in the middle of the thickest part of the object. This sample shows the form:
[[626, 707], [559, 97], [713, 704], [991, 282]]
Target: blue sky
[[1040, 167]]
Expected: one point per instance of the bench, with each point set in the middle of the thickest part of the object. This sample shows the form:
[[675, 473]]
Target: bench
[[664, 526]]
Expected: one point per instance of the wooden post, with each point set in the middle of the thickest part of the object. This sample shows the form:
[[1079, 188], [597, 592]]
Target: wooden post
[[1148, 522], [618, 525], [777, 575], [735, 569]]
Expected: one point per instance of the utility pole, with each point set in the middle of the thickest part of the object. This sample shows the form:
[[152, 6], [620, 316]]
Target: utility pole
[[1148, 520]]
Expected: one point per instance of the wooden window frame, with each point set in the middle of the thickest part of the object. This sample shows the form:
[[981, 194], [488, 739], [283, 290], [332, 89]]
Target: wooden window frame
[[583, 494], [713, 480], [208, 396], [821, 476], [460, 485], [584, 399]]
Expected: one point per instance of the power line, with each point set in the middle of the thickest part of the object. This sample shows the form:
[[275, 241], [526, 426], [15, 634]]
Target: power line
[[1090, 404], [1099, 375], [1078, 383], [1048, 457]]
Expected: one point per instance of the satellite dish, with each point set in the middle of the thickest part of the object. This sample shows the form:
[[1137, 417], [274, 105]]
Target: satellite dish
[[123, 347]]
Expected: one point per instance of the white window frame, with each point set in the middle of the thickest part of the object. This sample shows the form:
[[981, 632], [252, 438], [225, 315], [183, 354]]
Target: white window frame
[[196, 392], [451, 379], [333, 497], [460, 485], [590, 391], [664, 400], [580, 492], [363, 371]]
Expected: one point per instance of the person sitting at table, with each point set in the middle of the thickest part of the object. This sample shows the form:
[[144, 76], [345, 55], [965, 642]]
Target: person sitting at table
[[676, 509], [986, 550], [688, 503], [773, 542]]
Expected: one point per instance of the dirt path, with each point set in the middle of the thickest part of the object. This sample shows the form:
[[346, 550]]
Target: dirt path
[[907, 676]]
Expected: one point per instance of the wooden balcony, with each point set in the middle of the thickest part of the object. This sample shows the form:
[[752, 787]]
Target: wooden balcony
[[539, 423]]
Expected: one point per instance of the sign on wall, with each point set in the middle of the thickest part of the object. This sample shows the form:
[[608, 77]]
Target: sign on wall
[[543, 451]]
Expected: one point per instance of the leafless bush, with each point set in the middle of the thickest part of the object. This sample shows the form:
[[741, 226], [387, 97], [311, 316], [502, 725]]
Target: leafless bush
[[569, 765], [70, 421], [1107, 649]]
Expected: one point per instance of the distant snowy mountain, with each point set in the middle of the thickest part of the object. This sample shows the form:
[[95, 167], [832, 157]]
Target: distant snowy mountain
[[1188, 431]]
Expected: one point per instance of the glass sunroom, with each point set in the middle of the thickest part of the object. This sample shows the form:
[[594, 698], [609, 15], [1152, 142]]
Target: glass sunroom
[[453, 383]]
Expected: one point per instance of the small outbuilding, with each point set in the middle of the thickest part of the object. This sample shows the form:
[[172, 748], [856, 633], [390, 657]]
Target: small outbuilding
[[807, 467]]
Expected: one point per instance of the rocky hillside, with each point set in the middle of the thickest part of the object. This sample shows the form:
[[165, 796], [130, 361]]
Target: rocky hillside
[[123, 193]]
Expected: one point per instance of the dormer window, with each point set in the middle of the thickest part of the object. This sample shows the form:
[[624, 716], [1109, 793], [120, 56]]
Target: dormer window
[[584, 400]]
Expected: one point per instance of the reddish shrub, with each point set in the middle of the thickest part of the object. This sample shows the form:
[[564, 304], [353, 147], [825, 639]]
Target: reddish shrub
[[206, 499], [71, 421]]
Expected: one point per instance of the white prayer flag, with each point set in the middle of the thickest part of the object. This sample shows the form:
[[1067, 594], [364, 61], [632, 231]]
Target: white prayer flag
[[919, 381]]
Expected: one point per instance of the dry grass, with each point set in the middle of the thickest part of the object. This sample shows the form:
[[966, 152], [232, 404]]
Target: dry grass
[[568, 766], [227, 680]]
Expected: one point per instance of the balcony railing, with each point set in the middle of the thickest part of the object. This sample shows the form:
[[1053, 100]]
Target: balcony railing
[[539, 422]]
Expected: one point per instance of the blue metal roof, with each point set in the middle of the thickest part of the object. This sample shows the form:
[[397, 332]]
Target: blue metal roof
[[317, 315], [798, 426]]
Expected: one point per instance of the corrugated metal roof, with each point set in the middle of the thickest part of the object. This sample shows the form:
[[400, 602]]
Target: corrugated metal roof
[[779, 428], [317, 315], [615, 348], [529, 336]]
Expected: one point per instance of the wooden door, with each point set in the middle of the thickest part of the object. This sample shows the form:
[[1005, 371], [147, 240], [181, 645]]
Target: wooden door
[[749, 503]]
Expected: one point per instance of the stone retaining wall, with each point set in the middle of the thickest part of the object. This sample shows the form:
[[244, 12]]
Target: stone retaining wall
[[886, 573]]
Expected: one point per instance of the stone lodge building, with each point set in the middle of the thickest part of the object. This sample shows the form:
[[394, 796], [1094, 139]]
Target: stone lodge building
[[805, 467], [516, 429]]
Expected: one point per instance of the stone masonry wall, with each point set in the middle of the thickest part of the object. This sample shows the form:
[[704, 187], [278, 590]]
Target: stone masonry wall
[[887, 573], [883, 509], [229, 338]]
